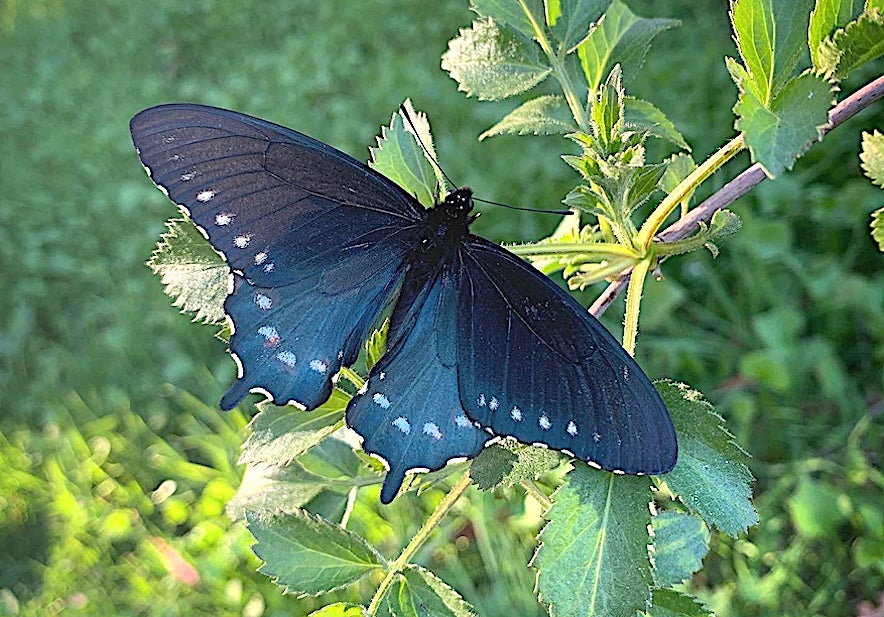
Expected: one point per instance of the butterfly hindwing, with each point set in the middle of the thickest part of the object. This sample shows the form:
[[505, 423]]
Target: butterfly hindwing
[[409, 413], [533, 364]]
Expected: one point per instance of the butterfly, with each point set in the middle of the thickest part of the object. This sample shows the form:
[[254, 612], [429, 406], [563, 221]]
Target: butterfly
[[480, 344]]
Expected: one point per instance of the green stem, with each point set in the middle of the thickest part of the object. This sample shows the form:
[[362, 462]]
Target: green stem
[[605, 249], [685, 187], [351, 376], [633, 300], [532, 489], [417, 541]]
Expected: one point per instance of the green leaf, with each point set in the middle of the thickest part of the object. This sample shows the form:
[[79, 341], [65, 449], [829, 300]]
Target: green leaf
[[340, 609], [770, 37], [193, 274], [645, 180], [813, 508], [711, 477], [519, 15], [507, 463], [859, 43], [606, 114], [825, 17], [267, 488], [877, 226], [620, 37], [681, 541], [678, 167], [306, 555], [401, 158], [641, 115], [545, 115], [574, 21], [593, 556], [671, 603], [872, 157], [376, 345], [777, 136], [421, 594], [280, 434], [493, 63]]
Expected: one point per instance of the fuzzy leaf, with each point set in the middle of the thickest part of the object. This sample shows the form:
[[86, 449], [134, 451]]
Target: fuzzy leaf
[[340, 609], [593, 556], [574, 20], [825, 17], [620, 37], [306, 555], [507, 463], [280, 434], [645, 180], [641, 115], [778, 135], [711, 477], [376, 345], [872, 157], [545, 115], [493, 63], [681, 541], [771, 37], [519, 15], [671, 603], [678, 167], [267, 488], [401, 158], [877, 226], [859, 43], [193, 274], [420, 593]]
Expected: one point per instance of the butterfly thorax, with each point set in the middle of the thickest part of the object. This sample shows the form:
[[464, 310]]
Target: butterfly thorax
[[445, 226]]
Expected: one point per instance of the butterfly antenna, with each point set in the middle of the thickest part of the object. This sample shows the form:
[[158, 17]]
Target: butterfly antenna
[[407, 115]]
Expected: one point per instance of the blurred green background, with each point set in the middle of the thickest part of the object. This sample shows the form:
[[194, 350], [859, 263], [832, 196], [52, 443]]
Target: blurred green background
[[115, 464]]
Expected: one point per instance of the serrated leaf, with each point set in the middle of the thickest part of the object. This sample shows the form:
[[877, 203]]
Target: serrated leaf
[[681, 541], [644, 180], [306, 555], [858, 43], [642, 115], [825, 17], [280, 434], [376, 345], [711, 477], [340, 609], [606, 114], [193, 274], [872, 157], [401, 158], [620, 37], [573, 21], [593, 556], [267, 488], [421, 594], [493, 63], [678, 167], [770, 37], [521, 15], [877, 226], [671, 603], [777, 136], [507, 463], [545, 115]]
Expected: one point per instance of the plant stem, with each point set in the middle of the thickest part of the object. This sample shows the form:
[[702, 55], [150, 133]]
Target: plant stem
[[685, 187], [532, 489], [351, 376], [633, 301], [607, 249], [417, 541]]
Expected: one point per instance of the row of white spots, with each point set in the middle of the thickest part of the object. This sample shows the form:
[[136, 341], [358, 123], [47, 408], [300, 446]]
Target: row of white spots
[[264, 302], [516, 414], [462, 421], [188, 176], [381, 400], [402, 424], [319, 366], [222, 219], [242, 241], [431, 429], [269, 333], [288, 358], [204, 196]]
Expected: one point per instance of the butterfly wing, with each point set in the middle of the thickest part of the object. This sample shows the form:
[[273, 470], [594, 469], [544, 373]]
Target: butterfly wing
[[535, 365], [409, 413], [317, 239]]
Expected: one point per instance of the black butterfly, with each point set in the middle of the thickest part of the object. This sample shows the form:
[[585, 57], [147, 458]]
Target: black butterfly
[[480, 343]]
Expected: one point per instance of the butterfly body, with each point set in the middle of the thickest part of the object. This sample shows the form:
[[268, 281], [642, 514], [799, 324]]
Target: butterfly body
[[480, 343]]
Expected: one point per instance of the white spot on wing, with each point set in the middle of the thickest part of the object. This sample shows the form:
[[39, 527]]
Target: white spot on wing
[[493, 404], [260, 258], [361, 391], [269, 333], [462, 421], [287, 358], [481, 400], [625, 373], [223, 218], [432, 430], [572, 428], [205, 196], [402, 424], [544, 422], [242, 241], [596, 437], [382, 375], [264, 302], [268, 268], [381, 400], [516, 414], [319, 366], [188, 176]]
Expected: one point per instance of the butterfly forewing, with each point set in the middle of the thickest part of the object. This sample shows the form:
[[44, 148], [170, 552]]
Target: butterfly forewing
[[534, 365]]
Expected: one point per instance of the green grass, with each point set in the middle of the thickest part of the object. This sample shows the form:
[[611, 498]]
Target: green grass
[[784, 332]]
